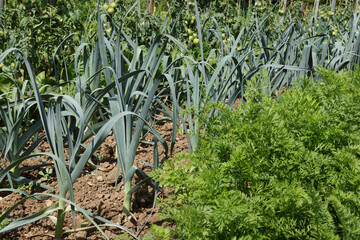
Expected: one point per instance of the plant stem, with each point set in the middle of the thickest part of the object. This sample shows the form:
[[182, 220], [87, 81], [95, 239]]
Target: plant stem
[[60, 220], [127, 198]]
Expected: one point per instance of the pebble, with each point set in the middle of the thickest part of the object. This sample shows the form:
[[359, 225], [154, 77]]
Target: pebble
[[81, 234], [48, 203], [100, 178]]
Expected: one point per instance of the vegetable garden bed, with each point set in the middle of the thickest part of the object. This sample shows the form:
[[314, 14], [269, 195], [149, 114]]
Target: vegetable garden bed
[[84, 132], [95, 191]]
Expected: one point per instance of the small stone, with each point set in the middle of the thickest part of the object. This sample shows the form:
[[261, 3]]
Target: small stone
[[81, 234], [90, 184], [107, 232], [48, 203], [100, 178]]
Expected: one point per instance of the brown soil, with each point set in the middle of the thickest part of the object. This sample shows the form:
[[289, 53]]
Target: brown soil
[[95, 192]]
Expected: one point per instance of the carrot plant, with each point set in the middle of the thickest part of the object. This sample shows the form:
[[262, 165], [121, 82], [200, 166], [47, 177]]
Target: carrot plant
[[276, 168]]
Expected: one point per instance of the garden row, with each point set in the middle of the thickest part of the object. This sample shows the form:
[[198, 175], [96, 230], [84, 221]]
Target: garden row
[[282, 167]]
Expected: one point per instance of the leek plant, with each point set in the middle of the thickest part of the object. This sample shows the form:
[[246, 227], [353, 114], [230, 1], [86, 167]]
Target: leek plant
[[132, 86], [64, 121], [278, 62], [15, 139], [203, 83], [135, 94], [345, 51]]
